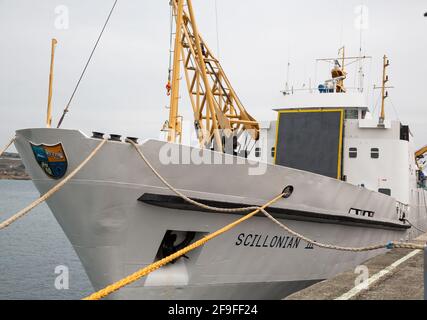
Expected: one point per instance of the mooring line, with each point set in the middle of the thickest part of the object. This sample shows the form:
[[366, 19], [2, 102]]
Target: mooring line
[[389, 245], [180, 194], [52, 191], [7, 146], [154, 266], [313, 242]]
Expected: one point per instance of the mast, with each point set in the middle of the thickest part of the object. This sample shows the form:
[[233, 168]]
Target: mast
[[49, 99], [384, 93], [218, 112]]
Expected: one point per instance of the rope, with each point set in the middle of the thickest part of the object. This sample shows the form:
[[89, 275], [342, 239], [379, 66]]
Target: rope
[[318, 244], [7, 146], [183, 196], [217, 31], [425, 201], [87, 64], [152, 267], [422, 231], [52, 191], [389, 245]]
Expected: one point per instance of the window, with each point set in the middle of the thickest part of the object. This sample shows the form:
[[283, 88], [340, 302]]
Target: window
[[352, 153], [385, 191], [273, 152], [352, 114], [257, 152], [375, 153], [404, 133]]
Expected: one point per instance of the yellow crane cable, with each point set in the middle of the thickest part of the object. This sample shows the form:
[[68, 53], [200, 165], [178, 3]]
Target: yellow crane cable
[[7, 146], [52, 191], [154, 266]]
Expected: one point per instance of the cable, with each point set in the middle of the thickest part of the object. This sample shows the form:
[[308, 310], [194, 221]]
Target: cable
[[395, 110], [414, 226], [217, 30], [376, 105], [87, 64], [425, 200], [170, 41]]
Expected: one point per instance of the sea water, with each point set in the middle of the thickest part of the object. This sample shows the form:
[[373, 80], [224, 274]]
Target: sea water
[[33, 248]]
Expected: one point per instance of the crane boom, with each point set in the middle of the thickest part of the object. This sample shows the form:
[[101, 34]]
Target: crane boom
[[421, 152], [217, 110]]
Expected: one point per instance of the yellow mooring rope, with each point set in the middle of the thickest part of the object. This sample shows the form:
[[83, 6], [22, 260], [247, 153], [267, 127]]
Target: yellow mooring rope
[[152, 267], [52, 191], [389, 245], [7, 146]]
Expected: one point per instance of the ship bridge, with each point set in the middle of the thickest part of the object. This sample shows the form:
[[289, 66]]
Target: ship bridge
[[329, 130], [334, 134], [315, 99], [354, 105]]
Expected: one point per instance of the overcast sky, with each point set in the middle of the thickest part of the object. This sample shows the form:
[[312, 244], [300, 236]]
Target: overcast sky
[[124, 88]]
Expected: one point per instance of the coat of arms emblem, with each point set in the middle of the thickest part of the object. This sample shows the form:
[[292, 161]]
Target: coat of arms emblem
[[51, 158]]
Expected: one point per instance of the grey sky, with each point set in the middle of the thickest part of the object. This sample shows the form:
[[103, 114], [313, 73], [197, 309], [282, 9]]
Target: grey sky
[[124, 88]]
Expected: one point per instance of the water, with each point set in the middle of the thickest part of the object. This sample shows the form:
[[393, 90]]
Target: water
[[31, 249]]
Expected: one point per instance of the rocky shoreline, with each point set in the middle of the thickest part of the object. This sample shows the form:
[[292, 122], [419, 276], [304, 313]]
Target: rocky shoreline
[[11, 167]]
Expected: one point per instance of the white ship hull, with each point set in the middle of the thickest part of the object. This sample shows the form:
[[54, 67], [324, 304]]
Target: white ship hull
[[115, 213]]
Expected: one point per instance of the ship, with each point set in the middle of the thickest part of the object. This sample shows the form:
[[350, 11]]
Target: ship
[[355, 180]]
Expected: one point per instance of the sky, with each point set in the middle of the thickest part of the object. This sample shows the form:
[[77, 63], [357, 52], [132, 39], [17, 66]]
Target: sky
[[124, 91]]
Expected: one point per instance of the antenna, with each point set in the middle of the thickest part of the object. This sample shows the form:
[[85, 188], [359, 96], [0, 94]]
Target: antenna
[[361, 74], [287, 77]]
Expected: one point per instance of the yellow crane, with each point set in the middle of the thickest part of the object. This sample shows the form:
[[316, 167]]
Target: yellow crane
[[421, 152], [217, 110], [420, 156]]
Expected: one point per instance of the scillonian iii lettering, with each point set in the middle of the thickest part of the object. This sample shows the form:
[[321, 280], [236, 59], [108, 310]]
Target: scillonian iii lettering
[[267, 241]]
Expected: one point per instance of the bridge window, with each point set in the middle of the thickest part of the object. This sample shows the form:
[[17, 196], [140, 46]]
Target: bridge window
[[375, 153], [351, 114], [385, 191], [257, 152], [352, 153]]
